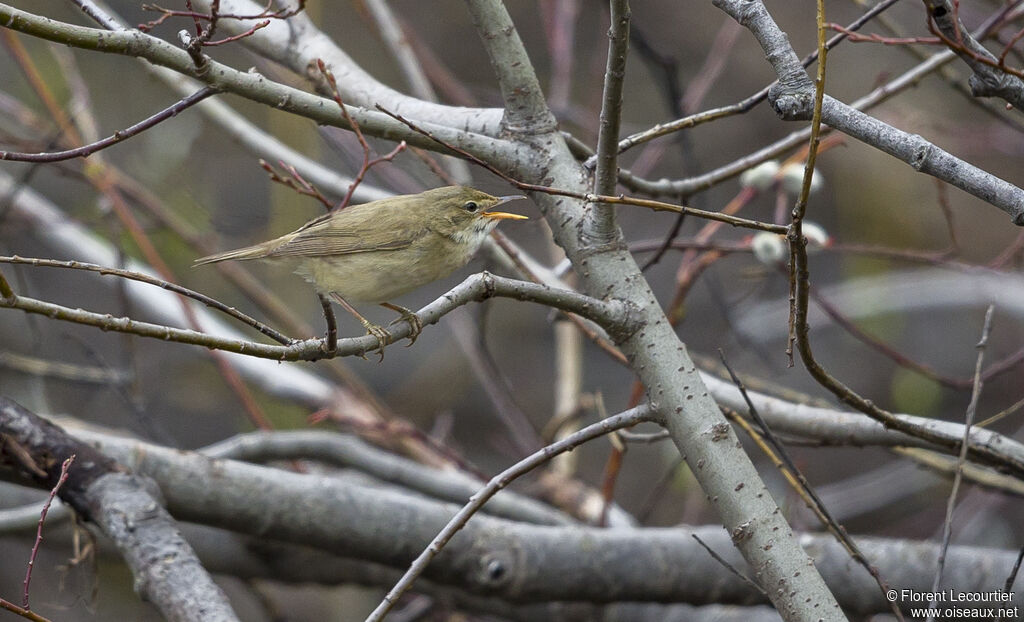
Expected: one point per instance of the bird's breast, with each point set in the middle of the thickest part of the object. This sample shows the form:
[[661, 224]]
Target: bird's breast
[[379, 276]]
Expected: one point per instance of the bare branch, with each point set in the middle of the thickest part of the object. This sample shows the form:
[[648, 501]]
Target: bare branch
[[525, 109], [614, 316], [605, 426], [165, 568], [223, 78], [600, 225]]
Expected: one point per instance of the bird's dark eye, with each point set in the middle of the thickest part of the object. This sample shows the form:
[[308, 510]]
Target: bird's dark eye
[[471, 206]]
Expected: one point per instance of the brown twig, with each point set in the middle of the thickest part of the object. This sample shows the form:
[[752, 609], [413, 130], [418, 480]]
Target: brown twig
[[588, 197], [240, 35], [721, 560], [800, 330], [197, 16], [85, 151], [777, 453], [854, 37], [972, 407], [39, 530], [368, 162], [145, 278], [25, 613], [295, 181]]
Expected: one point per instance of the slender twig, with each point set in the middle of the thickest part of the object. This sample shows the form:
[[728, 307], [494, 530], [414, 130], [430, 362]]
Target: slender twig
[[25, 613], [282, 13], [972, 407], [118, 136], [295, 181], [776, 451], [145, 278], [797, 243], [745, 105], [1001, 414], [39, 529], [622, 420], [721, 560], [612, 315], [1012, 577], [367, 161], [591, 198]]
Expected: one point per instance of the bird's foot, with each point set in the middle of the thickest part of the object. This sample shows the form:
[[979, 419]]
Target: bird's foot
[[406, 316], [381, 334]]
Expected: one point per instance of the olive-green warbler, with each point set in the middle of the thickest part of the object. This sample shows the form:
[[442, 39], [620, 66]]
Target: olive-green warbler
[[379, 250]]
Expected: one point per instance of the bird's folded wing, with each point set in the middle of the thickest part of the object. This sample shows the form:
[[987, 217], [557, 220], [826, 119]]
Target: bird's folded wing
[[333, 238]]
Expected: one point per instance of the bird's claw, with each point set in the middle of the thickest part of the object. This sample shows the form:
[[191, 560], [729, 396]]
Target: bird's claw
[[382, 338], [415, 324]]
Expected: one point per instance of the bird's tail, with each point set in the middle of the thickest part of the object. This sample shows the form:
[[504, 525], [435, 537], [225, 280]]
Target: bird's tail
[[258, 251]]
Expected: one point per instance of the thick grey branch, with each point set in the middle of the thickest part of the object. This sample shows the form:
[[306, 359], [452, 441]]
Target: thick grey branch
[[347, 451], [793, 94], [515, 561], [988, 79], [600, 227], [925, 157], [297, 43], [246, 84], [526, 111], [675, 389], [166, 570]]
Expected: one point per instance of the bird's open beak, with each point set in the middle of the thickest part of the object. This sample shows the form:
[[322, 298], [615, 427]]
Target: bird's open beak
[[506, 215]]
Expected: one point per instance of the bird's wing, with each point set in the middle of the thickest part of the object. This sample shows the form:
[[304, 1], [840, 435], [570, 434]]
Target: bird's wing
[[337, 236]]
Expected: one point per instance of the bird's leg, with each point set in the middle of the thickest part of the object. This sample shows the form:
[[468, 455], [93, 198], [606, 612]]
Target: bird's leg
[[371, 328], [408, 316]]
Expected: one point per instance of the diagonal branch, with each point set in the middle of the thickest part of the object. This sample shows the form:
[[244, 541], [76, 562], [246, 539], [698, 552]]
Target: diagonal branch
[[526, 111], [250, 85], [991, 77], [86, 150], [600, 226], [476, 502], [792, 98], [296, 43]]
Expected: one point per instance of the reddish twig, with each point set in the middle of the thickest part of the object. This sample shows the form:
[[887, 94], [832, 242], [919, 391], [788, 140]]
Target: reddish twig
[[958, 45], [25, 613], [39, 530], [295, 181], [367, 161], [855, 37], [657, 206], [118, 136], [212, 16], [240, 35]]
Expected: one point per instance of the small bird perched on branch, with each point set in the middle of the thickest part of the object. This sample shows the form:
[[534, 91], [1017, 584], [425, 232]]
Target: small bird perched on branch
[[379, 250]]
